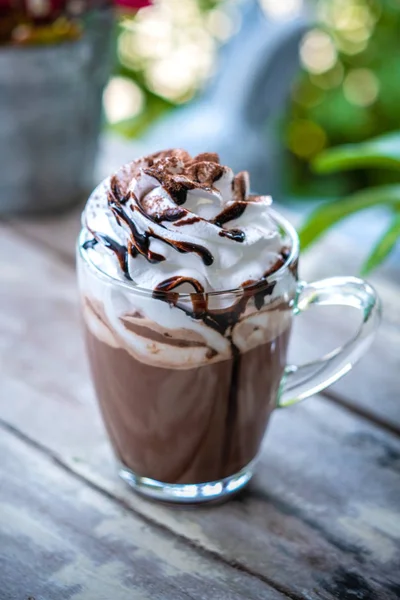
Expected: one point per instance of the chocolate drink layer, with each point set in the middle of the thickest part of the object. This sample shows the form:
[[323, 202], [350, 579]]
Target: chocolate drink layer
[[186, 378], [191, 425]]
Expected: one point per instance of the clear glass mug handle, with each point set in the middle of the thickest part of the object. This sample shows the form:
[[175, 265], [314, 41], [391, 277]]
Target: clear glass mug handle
[[300, 382]]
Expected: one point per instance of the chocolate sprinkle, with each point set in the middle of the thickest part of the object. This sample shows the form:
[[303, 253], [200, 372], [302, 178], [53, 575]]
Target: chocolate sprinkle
[[177, 173]]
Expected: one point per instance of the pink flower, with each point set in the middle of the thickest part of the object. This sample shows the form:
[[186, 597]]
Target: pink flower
[[133, 4]]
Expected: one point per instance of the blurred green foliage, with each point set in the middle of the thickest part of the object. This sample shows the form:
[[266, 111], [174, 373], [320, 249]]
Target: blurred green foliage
[[349, 89], [163, 56], [381, 152]]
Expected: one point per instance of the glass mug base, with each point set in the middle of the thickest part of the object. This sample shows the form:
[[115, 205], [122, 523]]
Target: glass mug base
[[189, 493]]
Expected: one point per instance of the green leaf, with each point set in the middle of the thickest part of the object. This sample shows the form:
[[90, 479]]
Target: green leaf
[[384, 246], [383, 151], [333, 212]]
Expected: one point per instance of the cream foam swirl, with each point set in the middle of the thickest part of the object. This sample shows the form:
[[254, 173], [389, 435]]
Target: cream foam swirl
[[169, 221]]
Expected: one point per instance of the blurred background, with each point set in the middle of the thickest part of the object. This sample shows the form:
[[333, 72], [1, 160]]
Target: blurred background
[[348, 88], [270, 84]]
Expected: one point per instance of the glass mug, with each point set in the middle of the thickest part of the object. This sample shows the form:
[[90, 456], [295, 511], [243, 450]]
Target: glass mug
[[186, 409]]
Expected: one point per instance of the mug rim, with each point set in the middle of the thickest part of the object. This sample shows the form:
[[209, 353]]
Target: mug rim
[[130, 286]]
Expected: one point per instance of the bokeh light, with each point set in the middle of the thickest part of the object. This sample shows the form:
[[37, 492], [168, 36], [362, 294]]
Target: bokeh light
[[221, 24], [176, 75], [329, 79], [317, 51], [123, 99], [306, 95], [352, 21], [282, 9], [170, 47], [39, 8], [349, 89], [305, 138], [361, 87]]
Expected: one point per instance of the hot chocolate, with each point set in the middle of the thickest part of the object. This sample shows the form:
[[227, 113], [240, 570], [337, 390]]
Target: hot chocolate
[[187, 313]]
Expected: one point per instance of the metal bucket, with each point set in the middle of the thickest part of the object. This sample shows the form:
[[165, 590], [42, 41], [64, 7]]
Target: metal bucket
[[50, 118]]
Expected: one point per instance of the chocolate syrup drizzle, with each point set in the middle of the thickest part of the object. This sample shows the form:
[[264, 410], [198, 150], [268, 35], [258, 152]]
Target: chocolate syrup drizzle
[[231, 212], [116, 190], [222, 321], [233, 234], [204, 170], [89, 244], [190, 221], [164, 291], [119, 251]]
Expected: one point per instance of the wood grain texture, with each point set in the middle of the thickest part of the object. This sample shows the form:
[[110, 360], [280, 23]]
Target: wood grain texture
[[320, 519], [60, 539], [373, 388], [337, 255], [57, 233]]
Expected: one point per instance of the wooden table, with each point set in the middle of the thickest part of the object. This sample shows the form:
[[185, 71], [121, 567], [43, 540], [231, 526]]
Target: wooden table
[[320, 520]]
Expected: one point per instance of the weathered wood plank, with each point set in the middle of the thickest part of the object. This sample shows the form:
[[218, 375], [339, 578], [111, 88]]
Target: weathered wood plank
[[373, 387], [321, 515], [336, 255], [61, 539], [58, 233]]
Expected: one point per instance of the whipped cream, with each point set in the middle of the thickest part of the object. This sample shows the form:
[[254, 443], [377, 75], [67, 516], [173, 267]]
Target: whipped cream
[[172, 222]]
